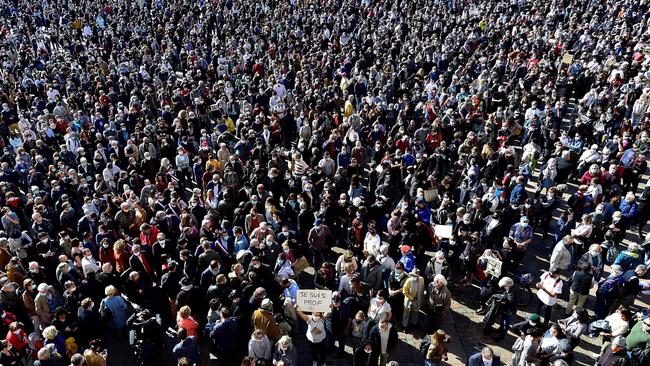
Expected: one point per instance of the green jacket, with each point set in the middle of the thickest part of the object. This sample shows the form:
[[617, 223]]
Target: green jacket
[[638, 338]]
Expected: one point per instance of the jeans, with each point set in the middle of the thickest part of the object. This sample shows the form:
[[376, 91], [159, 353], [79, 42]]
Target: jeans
[[506, 319]]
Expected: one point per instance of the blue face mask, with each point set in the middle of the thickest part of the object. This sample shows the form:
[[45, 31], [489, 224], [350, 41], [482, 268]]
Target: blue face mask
[[524, 225]]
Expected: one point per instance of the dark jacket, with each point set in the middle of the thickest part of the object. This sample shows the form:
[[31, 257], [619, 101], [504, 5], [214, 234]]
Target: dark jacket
[[582, 282], [187, 348], [611, 358], [375, 339], [477, 360], [222, 334]]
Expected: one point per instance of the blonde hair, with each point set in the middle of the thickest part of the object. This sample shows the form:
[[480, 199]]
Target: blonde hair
[[50, 332], [119, 246], [348, 267], [185, 312]]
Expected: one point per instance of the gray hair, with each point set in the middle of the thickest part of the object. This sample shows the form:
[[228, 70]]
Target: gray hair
[[506, 282], [440, 279], [487, 351]]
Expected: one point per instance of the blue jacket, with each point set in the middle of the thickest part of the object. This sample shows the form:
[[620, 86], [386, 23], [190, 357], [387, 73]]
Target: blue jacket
[[409, 262], [187, 348], [629, 211], [223, 334], [117, 306], [518, 195], [477, 360]]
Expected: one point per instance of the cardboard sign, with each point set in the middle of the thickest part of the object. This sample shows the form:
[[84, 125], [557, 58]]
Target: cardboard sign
[[314, 300], [567, 58], [443, 231], [493, 267]]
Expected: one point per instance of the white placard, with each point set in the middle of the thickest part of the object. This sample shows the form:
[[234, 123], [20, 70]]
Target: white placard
[[314, 300], [443, 231], [493, 267]]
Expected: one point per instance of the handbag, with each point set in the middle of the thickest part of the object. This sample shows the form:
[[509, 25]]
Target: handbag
[[519, 345], [300, 265]]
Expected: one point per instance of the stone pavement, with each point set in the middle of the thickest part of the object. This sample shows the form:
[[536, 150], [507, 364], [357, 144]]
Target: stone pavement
[[465, 326]]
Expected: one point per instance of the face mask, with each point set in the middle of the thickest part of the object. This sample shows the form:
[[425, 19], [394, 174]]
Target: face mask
[[593, 171], [467, 222], [16, 332], [105, 246], [162, 243], [286, 251], [398, 272], [137, 254], [524, 224], [256, 266], [440, 260], [367, 350], [593, 253], [550, 196]]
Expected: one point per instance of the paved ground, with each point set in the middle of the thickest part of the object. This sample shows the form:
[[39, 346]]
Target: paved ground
[[465, 326]]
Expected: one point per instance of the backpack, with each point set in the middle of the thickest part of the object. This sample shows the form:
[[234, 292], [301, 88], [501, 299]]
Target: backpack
[[611, 286], [611, 254]]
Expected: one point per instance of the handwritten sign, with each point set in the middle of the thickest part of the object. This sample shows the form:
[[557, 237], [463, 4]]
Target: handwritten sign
[[314, 300], [493, 267], [443, 231], [567, 58]]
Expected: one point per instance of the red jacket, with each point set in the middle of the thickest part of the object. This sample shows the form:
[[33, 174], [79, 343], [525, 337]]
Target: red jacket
[[153, 237], [18, 341]]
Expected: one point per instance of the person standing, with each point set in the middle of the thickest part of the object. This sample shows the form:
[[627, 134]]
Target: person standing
[[438, 300], [437, 351], [113, 310], [315, 335], [413, 297], [340, 322], [504, 304], [317, 239], [549, 288], [383, 338], [580, 286], [522, 234]]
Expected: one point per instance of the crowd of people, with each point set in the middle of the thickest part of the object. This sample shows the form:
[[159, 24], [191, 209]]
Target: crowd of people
[[181, 164]]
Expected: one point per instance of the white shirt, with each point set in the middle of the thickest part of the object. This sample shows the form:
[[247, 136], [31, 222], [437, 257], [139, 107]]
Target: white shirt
[[378, 312], [552, 285], [486, 362], [315, 329]]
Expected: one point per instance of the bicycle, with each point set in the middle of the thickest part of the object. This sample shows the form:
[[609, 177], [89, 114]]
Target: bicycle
[[524, 293]]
